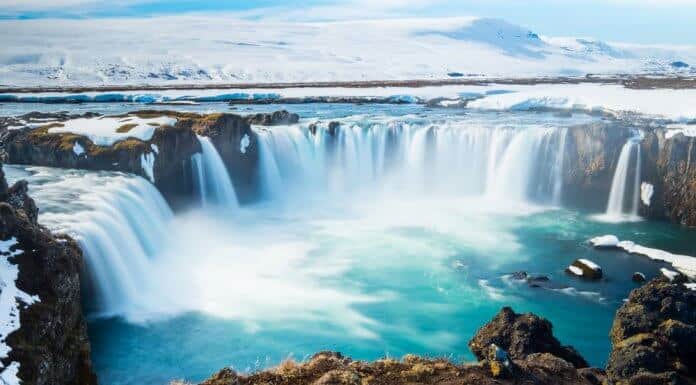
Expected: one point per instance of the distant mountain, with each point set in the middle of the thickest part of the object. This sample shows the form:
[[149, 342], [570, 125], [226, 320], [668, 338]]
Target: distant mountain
[[197, 49]]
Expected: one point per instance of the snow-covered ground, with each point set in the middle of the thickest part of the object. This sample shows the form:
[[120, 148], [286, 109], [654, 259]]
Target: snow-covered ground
[[202, 48], [674, 104]]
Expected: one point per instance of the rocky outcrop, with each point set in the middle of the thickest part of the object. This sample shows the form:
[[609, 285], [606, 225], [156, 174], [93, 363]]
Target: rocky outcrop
[[170, 146], [654, 336], [330, 368], [237, 145], [521, 335], [592, 151], [273, 118], [670, 167], [51, 344]]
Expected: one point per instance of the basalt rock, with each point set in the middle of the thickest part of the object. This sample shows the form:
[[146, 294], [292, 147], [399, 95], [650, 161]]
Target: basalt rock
[[171, 146], [592, 151], [654, 336], [521, 335], [51, 344], [670, 166], [272, 119]]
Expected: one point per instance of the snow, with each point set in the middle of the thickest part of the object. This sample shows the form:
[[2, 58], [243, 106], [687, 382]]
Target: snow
[[244, 143], [585, 97], [78, 149], [147, 162], [684, 263], [646, 193], [227, 48], [589, 264], [605, 241], [670, 274], [683, 129], [590, 97], [690, 286], [575, 270], [10, 295], [154, 148], [102, 131]]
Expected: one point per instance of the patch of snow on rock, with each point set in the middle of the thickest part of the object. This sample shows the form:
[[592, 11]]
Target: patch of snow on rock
[[575, 270], [683, 129], [646, 192], [670, 274], [244, 143], [78, 149], [10, 296], [154, 148], [605, 241], [103, 131]]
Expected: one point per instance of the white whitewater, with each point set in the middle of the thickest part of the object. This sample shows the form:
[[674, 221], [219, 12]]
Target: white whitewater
[[211, 179], [618, 207], [455, 158]]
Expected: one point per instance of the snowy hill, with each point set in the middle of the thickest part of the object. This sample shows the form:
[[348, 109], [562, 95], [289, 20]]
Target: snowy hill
[[197, 49]]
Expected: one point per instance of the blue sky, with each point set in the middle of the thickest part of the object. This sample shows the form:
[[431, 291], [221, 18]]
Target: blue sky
[[635, 21]]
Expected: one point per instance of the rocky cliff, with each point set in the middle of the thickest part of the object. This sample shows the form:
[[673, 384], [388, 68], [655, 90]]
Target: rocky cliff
[[50, 344], [654, 336]]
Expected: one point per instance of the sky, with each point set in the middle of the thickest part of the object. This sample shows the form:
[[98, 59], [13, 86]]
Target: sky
[[631, 21]]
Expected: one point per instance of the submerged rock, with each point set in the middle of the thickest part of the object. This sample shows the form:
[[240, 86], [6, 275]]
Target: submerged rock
[[654, 336], [521, 335], [50, 345]]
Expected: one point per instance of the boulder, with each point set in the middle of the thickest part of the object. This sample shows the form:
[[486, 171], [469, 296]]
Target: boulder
[[585, 268], [521, 335], [654, 336], [638, 277]]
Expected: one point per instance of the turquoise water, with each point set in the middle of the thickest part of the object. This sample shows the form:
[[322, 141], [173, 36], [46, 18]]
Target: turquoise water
[[369, 273], [422, 288]]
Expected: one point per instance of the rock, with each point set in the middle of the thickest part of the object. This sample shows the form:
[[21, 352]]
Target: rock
[[521, 335], [638, 277], [673, 276], [273, 119], [519, 276], [51, 345], [654, 336], [585, 268], [333, 128]]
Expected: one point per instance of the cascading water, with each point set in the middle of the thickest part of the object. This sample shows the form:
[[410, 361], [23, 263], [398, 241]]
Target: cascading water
[[211, 179], [618, 207], [452, 157], [120, 223]]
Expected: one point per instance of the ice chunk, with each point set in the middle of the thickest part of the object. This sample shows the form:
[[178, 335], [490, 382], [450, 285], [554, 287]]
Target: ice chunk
[[244, 143]]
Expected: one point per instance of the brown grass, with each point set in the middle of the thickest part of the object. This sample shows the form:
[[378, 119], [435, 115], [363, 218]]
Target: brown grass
[[126, 127]]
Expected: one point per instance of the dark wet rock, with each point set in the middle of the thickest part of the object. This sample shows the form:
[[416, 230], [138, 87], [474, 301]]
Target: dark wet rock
[[521, 335], [585, 268], [172, 147], [654, 336], [519, 275], [593, 151], [638, 277], [333, 128], [670, 167], [274, 118], [226, 132], [51, 345]]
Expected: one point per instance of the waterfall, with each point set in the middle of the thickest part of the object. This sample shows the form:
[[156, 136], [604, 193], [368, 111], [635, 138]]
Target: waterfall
[[617, 206], [449, 157], [211, 179]]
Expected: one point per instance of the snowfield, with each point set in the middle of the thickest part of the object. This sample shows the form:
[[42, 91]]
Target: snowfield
[[214, 49]]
